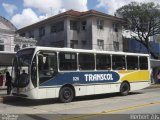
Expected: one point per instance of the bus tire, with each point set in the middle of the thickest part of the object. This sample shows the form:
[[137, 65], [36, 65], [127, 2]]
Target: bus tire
[[66, 94], [124, 89]]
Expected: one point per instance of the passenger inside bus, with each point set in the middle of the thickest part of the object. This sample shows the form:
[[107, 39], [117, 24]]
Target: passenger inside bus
[[47, 64]]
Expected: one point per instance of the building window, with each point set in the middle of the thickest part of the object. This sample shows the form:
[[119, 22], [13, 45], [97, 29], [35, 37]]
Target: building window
[[31, 34], [17, 47], [57, 27], [57, 44], [100, 24], [100, 44], [116, 45], [73, 25], [1, 45], [84, 42], [115, 27], [22, 34], [24, 46], [84, 23], [74, 43], [41, 31]]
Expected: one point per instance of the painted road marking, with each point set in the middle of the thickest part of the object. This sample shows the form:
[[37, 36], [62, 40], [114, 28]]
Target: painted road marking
[[79, 117], [130, 108], [114, 101]]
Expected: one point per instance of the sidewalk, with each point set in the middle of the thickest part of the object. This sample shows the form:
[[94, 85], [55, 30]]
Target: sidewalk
[[3, 92], [154, 86]]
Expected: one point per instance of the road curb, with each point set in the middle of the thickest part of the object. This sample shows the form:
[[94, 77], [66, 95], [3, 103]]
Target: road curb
[[6, 98], [154, 86], [1, 99]]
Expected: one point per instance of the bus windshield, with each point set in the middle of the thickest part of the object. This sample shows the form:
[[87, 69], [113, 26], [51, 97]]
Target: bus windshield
[[21, 66]]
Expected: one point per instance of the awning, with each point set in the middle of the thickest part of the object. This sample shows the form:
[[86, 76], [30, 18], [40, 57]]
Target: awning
[[155, 63], [6, 58]]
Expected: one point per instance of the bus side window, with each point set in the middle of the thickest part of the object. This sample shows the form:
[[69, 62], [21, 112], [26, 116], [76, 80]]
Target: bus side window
[[103, 62], [40, 62], [68, 61], [86, 61], [118, 62], [143, 63], [132, 62], [47, 66], [34, 72]]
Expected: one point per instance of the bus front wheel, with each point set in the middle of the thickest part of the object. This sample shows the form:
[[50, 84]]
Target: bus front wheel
[[66, 94], [124, 89]]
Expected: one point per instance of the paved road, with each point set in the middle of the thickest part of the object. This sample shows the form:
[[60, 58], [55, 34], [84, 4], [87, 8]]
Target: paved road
[[145, 101]]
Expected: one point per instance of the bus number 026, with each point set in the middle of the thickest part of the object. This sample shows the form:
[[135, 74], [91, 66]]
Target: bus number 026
[[75, 78]]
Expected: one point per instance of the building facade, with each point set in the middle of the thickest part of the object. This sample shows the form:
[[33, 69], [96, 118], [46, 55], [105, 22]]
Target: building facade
[[23, 42], [7, 33], [9, 40], [82, 30]]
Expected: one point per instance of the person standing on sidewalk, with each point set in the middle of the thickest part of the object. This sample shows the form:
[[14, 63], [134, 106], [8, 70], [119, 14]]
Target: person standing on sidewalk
[[8, 82], [1, 79], [158, 77]]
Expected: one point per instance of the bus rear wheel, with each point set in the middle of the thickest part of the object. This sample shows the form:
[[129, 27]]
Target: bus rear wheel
[[124, 89], [66, 94]]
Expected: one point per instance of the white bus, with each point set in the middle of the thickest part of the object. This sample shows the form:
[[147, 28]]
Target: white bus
[[64, 73]]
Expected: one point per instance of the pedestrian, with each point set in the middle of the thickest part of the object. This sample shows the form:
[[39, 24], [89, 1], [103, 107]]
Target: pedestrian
[[1, 79], [158, 76], [24, 78], [8, 82]]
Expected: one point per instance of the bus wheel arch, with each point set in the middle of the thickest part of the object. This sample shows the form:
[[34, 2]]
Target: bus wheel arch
[[66, 93], [124, 88]]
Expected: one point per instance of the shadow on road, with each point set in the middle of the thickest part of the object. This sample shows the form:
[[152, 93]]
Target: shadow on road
[[16, 101]]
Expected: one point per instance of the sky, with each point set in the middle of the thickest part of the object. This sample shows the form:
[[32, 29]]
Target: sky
[[25, 12]]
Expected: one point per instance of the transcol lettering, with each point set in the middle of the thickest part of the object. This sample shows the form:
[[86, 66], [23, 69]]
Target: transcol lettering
[[98, 77]]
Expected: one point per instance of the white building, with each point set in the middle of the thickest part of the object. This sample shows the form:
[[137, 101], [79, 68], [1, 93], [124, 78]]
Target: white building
[[7, 33], [84, 30], [9, 41]]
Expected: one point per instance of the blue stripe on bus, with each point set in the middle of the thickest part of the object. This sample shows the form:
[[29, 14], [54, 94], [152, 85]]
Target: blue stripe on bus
[[82, 78]]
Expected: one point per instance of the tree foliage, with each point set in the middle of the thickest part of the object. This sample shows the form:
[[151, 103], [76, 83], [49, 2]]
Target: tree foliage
[[143, 19]]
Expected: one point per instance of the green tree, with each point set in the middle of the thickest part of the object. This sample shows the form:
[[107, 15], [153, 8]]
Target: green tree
[[143, 19]]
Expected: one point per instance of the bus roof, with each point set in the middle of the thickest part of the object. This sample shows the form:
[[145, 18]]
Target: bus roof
[[37, 48]]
